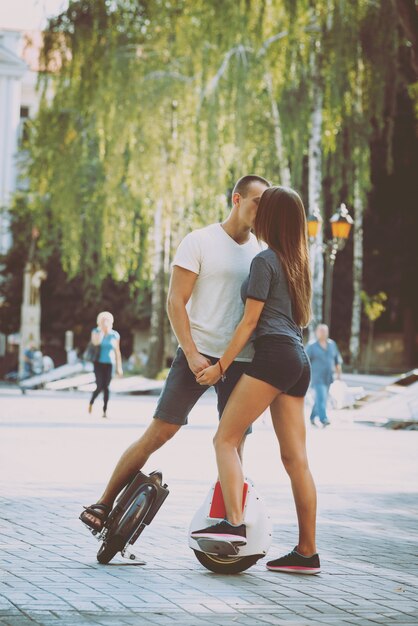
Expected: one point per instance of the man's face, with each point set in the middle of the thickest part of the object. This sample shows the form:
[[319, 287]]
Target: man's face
[[248, 205], [322, 333]]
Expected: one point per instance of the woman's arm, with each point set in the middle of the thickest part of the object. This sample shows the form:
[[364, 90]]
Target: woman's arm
[[243, 332]]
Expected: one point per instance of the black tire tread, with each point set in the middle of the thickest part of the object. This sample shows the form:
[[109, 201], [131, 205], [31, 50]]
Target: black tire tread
[[108, 550], [226, 565]]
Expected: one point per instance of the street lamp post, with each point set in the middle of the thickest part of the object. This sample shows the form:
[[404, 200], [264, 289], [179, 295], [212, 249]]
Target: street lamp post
[[341, 223], [315, 249]]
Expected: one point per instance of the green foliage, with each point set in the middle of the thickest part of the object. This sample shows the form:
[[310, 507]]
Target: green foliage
[[373, 305], [152, 101], [157, 100]]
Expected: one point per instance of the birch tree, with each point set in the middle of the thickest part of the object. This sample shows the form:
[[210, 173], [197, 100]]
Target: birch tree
[[355, 335], [315, 178], [158, 293]]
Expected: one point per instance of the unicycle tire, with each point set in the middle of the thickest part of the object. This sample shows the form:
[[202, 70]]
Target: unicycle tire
[[130, 526], [108, 550], [226, 565]]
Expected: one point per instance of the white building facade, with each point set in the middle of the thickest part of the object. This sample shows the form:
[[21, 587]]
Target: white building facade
[[12, 71], [19, 101]]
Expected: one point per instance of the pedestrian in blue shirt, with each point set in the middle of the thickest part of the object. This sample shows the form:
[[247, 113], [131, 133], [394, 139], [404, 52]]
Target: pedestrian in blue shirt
[[108, 358], [325, 360]]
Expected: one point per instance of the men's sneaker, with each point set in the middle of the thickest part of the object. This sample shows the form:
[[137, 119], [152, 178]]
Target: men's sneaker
[[295, 563], [326, 423], [223, 531]]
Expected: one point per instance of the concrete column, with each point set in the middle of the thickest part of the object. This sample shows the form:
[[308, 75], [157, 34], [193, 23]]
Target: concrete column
[[30, 324]]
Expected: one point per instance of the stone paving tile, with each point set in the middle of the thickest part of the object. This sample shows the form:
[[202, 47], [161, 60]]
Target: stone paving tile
[[49, 574], [153, 619]]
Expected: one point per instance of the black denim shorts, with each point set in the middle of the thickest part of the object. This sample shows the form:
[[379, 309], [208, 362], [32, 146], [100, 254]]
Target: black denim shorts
[[181, 391], [282, 362]]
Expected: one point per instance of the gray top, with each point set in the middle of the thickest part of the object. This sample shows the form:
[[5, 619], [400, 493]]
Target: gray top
[[267, 282], [323, 361]]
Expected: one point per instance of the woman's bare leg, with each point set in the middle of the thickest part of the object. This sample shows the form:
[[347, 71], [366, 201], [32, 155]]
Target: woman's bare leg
[[287, 413], [247, 402]]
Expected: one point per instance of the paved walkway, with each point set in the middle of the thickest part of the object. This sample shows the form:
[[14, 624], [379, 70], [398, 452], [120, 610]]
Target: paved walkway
[[53, 458]]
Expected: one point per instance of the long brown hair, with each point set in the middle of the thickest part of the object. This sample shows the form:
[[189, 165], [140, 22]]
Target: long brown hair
[[281, 223]]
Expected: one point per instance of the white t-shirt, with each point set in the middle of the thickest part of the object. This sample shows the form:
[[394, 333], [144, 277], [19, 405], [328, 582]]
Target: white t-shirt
[[215, 307]]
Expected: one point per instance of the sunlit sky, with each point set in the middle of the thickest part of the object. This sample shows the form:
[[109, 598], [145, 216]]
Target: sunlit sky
[[28, 14]]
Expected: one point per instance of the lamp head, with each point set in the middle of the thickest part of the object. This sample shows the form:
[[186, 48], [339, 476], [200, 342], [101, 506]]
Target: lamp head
[[314, 222], [341, 223]]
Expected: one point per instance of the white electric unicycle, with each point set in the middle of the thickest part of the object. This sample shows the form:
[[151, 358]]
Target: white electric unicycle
[[224, 557]]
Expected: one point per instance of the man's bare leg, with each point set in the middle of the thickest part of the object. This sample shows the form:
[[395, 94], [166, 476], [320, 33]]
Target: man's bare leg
[[134, 458]]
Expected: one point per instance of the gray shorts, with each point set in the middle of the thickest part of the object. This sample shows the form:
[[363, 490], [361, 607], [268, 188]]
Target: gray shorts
[[181, 391]]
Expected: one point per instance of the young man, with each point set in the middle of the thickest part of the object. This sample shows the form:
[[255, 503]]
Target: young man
[[204, 306], [325, 359]]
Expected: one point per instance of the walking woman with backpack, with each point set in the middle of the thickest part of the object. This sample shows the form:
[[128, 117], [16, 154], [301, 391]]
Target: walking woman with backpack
[[108, 357]]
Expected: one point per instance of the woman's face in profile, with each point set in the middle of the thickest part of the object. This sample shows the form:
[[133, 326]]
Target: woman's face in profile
[[105, 324]]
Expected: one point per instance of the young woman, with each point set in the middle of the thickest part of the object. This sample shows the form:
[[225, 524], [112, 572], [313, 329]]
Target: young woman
[[277, 297], [109, 356]]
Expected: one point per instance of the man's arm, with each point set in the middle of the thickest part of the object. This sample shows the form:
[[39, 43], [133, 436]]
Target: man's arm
[[179, 292], [338, 362]]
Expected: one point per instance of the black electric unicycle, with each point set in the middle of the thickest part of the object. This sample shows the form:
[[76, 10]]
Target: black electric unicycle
[[134, 509]]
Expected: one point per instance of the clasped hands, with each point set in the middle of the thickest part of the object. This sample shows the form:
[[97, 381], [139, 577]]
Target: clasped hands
[[209, 376], [205, 373]]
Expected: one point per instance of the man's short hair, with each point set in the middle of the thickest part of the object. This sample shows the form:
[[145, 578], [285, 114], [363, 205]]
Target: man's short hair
[[243, 184], [322, 327]]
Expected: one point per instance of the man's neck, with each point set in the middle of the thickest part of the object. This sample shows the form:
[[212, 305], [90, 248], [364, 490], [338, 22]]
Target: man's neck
[[235, 229], [323, 342]]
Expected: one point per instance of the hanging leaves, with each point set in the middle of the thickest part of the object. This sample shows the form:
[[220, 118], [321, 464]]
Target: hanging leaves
[[235, 80]]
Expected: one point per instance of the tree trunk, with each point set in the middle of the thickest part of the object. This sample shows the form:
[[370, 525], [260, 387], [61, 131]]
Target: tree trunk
[[408, 18], [361, 166], [162, 244], [315, 185], [156, 340], [409, 333], [284, 171], [170, 340], [369, 347], [355, 337]]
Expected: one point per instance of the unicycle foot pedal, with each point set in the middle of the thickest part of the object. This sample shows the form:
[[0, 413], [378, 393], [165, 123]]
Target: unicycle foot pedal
[[95, 533], [218, 547]]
